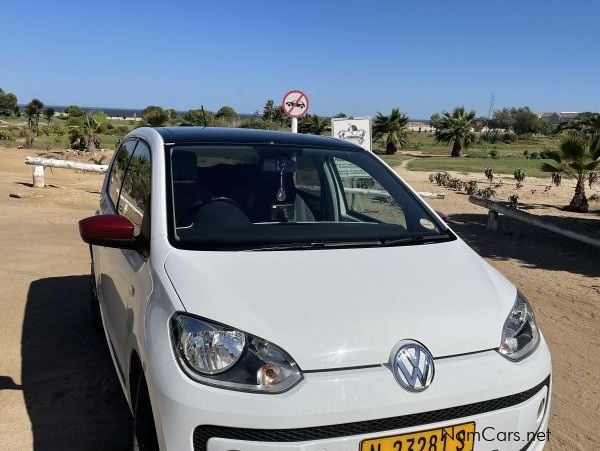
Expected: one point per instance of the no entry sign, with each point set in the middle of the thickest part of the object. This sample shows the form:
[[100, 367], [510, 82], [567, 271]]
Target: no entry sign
[[295, 103]]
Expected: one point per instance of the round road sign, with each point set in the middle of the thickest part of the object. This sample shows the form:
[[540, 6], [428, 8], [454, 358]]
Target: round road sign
[[295, 103]]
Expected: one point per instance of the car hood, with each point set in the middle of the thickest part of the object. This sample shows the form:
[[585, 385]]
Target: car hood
[[341, 308]]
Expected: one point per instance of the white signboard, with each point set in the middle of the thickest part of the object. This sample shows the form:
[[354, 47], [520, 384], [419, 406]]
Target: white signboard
[[356, 130]]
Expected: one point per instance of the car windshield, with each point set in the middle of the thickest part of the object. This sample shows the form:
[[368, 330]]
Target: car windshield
[[268, 197]]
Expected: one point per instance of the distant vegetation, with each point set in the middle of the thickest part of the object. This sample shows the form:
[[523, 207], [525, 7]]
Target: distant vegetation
[[511, 139]]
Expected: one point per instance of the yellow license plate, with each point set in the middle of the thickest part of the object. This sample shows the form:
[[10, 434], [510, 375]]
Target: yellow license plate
[[459, 437]]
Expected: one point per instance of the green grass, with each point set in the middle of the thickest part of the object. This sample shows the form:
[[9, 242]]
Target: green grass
[[426, 144], [532, 168]]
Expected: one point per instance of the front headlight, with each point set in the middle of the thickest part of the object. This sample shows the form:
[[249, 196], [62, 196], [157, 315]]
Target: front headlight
[[520, 334], [219, 355]]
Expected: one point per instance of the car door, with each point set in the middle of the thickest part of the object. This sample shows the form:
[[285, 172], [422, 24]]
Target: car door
[[105, 259], [128, 279]]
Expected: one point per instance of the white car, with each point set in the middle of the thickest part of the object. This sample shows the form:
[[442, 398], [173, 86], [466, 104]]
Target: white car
[[253, 298]]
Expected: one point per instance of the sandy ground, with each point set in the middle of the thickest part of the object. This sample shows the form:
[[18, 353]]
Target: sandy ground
[[58, 389]]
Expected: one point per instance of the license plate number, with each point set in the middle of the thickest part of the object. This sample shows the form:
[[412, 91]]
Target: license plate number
[[459, 437]]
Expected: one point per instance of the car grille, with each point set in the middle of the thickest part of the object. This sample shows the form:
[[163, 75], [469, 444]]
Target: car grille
[[203, 433]]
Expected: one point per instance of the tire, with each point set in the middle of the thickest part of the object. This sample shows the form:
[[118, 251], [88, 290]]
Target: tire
[[144, 429], [95, 316]]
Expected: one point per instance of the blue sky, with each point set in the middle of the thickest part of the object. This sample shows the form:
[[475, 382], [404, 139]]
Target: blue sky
[[350, 56]]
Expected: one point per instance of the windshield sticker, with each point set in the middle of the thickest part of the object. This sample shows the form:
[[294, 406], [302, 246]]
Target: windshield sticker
[[427, 224]]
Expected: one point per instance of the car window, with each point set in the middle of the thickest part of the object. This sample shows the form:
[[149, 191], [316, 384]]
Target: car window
[[307, 175], [135, 193], [243, 196], [118, 170], [365, 197]]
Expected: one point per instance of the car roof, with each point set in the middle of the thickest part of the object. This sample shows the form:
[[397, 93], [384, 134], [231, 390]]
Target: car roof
[[223, 135]]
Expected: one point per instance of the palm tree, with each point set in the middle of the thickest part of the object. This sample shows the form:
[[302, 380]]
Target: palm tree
[[456, 128], [588, 125], [391, 130], [87, 134], [33, 110], [576, 160], [313, 124], [49, 114]]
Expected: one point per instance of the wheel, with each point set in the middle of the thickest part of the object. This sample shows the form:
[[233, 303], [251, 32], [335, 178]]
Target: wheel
[[95, 317], [144, 429]]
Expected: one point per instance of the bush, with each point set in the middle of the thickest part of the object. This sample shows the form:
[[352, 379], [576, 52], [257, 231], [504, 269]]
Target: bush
[[6, 135], [508, 137], [471, 187], [487, 193], [494, 154], [260, 124], [534, 156]]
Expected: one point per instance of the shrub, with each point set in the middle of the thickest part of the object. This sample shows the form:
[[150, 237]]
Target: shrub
[[508, 137], [534, 156], [6, 135], [494, 154], [556, 178], [441, 178], [487, 193], [519, 176], [260, 124], [471, 187]]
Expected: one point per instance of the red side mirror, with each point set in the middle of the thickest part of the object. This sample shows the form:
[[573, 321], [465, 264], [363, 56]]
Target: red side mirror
[[108, 231]]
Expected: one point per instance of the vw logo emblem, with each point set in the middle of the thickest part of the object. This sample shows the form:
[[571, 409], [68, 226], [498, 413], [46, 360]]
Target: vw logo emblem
[[412, 365]]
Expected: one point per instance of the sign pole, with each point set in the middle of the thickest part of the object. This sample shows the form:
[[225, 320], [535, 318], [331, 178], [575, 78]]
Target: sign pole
[[294, 125]]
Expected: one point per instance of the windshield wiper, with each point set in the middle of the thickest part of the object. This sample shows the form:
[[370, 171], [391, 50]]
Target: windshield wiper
[[415, 239], [317, 245], [412, 239]]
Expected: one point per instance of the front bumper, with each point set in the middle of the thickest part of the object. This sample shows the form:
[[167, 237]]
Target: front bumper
[[336, 410]]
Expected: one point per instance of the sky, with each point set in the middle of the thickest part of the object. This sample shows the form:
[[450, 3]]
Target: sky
[[356, 57]]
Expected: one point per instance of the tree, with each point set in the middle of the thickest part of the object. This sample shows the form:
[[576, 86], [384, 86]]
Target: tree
[[8, 103], [504, 118], [525, 121], [227, 113], [74, 111], [155, 116], [434, 121], [313, 124], [33, 110], [340, 115], [391, 130], [197, 117], [86, 135], [49, 114], [575, 159], [587, 125], [269, 111], [456, 128], [173, 115]]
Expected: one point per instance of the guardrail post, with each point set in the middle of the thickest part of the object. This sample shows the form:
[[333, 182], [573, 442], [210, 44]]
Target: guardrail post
[[492, 222], [38, 176]]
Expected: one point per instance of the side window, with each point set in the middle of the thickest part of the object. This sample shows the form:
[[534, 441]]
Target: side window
[[306, 177], [135, 194], [118, 170], [365, 197]]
